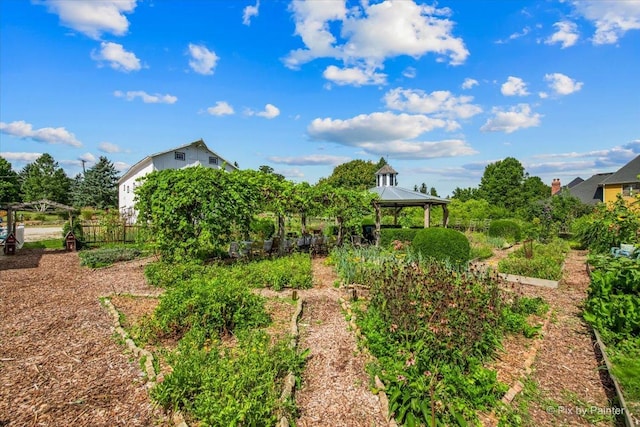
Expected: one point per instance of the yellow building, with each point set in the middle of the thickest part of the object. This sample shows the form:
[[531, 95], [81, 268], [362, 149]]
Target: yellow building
[[625, 181]]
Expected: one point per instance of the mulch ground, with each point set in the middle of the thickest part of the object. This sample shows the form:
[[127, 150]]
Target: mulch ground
[[61, 365], [59, 362]]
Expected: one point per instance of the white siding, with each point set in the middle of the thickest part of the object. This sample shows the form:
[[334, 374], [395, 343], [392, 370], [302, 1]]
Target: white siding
[[194, 155]]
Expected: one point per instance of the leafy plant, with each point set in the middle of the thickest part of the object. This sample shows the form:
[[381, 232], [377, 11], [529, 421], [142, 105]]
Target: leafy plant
[[546, 262]]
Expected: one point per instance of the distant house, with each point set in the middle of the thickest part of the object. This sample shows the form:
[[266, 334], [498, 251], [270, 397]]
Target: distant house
[[625, 181], [605, 187], [193, 154], [589, 191]]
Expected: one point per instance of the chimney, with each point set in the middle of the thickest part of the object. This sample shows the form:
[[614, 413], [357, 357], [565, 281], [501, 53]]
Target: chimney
[[555, 186]]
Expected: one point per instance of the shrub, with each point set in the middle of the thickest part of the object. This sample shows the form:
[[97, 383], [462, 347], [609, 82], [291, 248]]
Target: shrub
[[506, 229], [388, 235], [292, 271], [443, 244], [106, 256]]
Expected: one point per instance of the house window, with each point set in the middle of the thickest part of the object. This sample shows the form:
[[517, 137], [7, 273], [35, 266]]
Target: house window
[[180, 155], [629, 190], [213, 160]]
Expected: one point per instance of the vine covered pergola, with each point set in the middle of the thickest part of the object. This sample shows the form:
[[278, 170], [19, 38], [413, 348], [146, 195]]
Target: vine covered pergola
[[397, 198]]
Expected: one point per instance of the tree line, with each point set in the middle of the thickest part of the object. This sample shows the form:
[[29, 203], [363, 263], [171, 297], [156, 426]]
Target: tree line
[[45, 179]]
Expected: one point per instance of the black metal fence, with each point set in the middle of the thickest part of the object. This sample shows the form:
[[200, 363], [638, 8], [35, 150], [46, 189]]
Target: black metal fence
[[112, 233]]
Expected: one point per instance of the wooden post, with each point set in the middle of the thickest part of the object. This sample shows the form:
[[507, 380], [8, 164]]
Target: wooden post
[[9, 220], [294, 295], [445, 216], [427, 215], [378, 221]]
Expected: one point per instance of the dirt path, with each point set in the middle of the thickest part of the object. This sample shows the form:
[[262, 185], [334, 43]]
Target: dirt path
[[566, 370], [59, 362], [335, 390]]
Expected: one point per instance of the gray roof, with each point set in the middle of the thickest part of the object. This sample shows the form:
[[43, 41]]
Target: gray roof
[[386, 169], [590, 191], [626, 174], [398, 196], [575, 182]]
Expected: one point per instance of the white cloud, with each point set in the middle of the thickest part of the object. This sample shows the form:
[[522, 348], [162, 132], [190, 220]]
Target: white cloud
[[612, 18], [249, 12], [108, 147], [88, 157], [375, 127], [203, 60], [93, 18], [147, 98], [121, 166], [441, 103], [561, 84], [371, 33], [515, 36], [222, 108], [270, 112], [543, 95], [24, 130], [617, 155], [469, 83], [514, 86], [517, 117], [410, 150], [291, 173], [118, 58], [353, 76], [310, 160], [566, 34], [20, 157], [409, 72]]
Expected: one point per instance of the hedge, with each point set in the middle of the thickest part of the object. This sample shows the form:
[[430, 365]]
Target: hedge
[[443, 244]]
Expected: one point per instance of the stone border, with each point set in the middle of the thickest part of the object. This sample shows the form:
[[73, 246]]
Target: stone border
[[147, 356], [383, 399], [525, 280], [290, 379], [517, 386]]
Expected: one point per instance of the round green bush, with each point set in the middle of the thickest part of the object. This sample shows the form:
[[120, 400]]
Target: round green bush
[[443, 244], [507, 229]]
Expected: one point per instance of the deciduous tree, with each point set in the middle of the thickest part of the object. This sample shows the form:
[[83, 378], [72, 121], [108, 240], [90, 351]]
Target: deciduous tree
[[9, 183], [44, 179]]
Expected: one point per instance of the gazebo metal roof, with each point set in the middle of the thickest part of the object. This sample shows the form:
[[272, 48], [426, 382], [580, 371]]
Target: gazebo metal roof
[[392, 196]]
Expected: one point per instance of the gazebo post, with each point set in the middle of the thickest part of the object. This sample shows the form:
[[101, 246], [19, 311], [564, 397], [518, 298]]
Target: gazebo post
[[9, 220], [427, 215], [378, 222], [445, 216]]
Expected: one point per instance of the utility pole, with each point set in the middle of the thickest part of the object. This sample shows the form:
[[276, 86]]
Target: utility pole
[[84, 172]]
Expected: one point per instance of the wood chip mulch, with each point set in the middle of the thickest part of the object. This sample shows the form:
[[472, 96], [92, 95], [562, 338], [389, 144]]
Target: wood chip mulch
[[567, 370], [59, 362], [335, 386]]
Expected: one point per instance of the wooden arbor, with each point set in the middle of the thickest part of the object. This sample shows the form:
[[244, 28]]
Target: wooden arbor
[[37, 206]]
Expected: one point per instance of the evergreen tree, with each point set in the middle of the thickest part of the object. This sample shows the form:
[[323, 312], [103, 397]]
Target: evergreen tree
[[44, 179], [9, 183], [99, 188]]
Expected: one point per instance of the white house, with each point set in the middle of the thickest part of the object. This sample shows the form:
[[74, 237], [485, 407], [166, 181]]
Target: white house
[[193, 154]]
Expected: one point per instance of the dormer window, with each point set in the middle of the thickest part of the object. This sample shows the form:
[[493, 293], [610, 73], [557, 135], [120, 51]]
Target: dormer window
[[179, 155], [213, 160]]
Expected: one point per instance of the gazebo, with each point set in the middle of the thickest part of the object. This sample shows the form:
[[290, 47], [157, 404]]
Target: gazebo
[[392, 196]]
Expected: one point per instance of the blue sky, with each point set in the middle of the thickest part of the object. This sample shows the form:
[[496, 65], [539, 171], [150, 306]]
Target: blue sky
[[439, 89]]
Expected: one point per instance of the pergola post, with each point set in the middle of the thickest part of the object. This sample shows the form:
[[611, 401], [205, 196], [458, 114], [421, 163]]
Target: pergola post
[[378, 222], [427, 215]]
